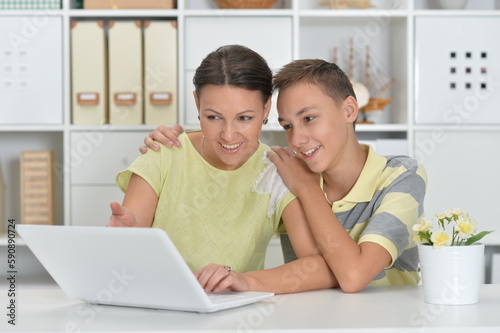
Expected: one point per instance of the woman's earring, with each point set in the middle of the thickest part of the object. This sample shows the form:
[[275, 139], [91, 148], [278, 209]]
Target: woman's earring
[[198, 117], [265, 121]]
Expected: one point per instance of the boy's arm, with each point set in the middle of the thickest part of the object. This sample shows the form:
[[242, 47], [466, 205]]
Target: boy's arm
[[353, 265], [162, 134], [303, 274], [298, 230]]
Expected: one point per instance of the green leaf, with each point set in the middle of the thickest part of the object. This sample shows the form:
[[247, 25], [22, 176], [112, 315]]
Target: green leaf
[[477, 237], [426, 235]]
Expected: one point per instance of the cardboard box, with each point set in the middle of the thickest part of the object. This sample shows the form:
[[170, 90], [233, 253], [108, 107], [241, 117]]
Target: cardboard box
[[128, 4], [30, 4]]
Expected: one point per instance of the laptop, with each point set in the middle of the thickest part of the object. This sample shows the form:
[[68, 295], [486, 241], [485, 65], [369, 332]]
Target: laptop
[[136, 267]]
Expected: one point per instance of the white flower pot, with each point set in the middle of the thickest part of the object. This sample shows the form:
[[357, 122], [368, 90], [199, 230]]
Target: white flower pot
[[451, 275]]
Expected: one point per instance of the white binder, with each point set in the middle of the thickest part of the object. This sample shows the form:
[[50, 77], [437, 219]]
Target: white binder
[[88, 73], [125, 72], [160, 72]]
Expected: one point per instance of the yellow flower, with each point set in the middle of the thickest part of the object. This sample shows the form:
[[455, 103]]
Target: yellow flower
[[454, 226], [440, 238], [440, 216], [465, 228], [423, 226], [453, 212]]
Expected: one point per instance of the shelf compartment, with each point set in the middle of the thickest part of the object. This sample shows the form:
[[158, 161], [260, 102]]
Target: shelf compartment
[[452, 159], [205, 34], [387, 40], [88, 150], [11, 145]]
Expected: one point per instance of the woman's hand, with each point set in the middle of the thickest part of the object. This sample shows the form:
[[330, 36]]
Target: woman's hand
[[121, 216], [293, 170], [215, 278], [162, 134]]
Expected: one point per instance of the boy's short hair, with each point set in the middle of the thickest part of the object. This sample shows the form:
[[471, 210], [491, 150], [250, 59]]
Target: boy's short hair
[[328, 76]]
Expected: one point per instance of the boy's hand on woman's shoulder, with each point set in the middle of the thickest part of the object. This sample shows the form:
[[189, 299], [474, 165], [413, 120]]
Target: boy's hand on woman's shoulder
[[168, 136], [293, 170]]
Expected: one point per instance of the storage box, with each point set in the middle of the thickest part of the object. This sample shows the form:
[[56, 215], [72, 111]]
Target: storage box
[[30, 4], [89, 68], [128, 4]]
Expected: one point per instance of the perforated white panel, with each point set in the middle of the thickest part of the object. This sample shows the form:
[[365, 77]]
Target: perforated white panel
[[457, 71], [31, 70]]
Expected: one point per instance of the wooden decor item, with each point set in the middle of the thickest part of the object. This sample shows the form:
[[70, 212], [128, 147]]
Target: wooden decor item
[[344, 4], [245, 4], [128, 4], [37, 191]]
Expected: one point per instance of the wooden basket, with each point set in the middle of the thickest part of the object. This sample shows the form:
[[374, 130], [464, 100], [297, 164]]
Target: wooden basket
[[128, 4], [245, 4]]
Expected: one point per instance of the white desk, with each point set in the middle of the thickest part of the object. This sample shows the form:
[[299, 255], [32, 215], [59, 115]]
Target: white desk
[[382, 309]]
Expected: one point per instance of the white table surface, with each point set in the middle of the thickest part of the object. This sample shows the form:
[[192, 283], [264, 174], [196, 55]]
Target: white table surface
[[376, 309]]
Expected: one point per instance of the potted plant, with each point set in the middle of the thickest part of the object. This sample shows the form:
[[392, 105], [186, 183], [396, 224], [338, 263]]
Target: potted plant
[[451, 259]]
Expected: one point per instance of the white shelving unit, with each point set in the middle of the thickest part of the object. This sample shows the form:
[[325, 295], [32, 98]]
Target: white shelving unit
[[293, 29]]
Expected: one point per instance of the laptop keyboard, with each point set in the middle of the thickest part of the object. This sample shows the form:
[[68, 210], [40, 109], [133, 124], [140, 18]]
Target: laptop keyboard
[[223, 296]]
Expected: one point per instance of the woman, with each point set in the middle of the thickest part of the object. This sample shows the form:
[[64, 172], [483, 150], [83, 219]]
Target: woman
[[220, 199]]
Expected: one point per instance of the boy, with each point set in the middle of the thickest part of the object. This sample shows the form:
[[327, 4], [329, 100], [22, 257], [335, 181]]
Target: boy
[[362, 211]]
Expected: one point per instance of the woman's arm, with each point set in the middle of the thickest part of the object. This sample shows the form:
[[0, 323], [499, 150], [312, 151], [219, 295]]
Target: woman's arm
[[303, 274], [139, 205]]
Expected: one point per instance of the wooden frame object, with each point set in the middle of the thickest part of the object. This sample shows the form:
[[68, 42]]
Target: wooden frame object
[[128, 4], [37, 189]]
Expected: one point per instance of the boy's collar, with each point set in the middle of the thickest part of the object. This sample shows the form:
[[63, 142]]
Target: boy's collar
[[365, 187]]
